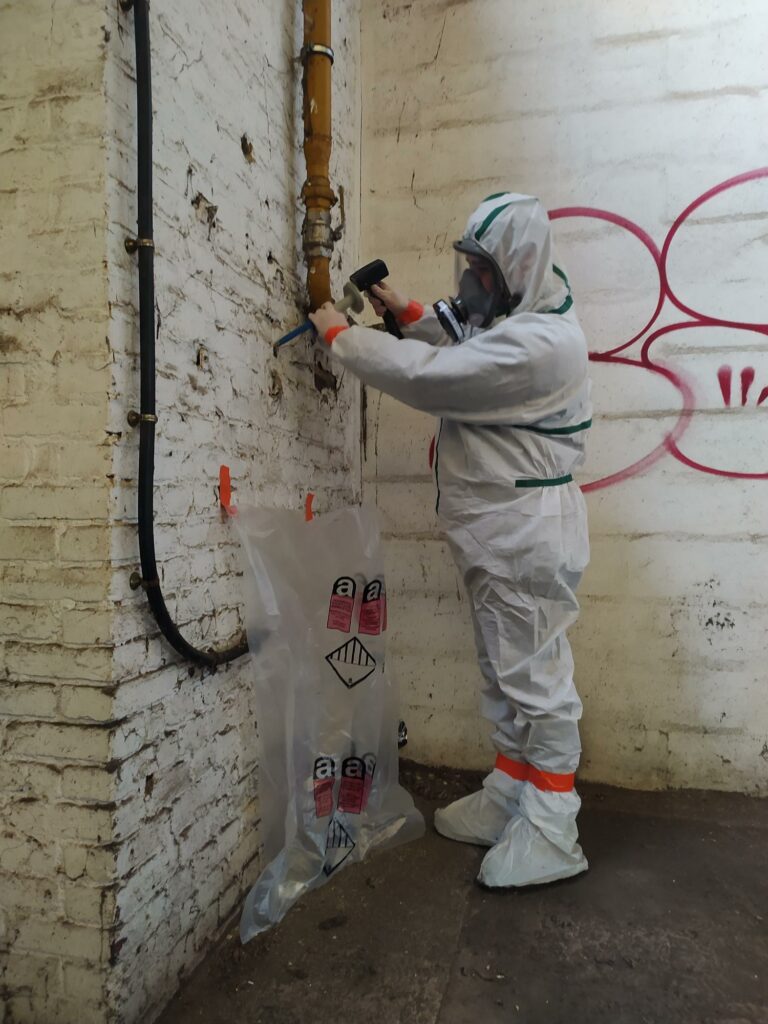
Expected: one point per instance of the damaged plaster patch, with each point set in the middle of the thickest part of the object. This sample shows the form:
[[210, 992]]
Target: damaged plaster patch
[[716, 621], [324, 379], [275, 385], [714, 617], [720, 620], [9, 344], [206, 210], [247, 147]]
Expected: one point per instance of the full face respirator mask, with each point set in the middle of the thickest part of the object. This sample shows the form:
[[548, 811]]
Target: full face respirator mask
[[481, 292]]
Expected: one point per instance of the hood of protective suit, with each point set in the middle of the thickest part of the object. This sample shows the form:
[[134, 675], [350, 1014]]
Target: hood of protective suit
[[515, 231]]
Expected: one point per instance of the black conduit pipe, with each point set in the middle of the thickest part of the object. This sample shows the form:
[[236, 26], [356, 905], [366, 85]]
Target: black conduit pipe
[[147, 418]]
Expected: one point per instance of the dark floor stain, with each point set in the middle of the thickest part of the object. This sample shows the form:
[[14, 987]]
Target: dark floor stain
[[331, 923]]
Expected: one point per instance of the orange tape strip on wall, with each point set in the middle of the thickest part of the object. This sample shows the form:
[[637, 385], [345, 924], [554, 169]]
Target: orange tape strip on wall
[[225, 489]]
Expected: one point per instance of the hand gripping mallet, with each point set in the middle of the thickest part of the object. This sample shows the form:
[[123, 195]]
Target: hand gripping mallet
[[353, 299], [365, 278], [361, 281]]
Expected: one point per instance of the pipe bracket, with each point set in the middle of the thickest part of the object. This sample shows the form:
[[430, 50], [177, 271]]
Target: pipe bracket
[[132, 244], [310, 48], [136, 580], [135, 418]]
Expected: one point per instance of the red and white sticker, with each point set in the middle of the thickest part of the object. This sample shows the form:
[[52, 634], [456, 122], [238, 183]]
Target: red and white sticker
[[373, 610], [323, 778], [342, 604], [352, 790]]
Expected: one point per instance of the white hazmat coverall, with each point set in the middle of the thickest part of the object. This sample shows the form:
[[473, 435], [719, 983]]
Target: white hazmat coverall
[[513, 400]]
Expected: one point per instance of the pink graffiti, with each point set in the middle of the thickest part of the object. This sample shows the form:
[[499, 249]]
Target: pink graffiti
[[674, 448], [667, 445], [747, 380], [724, 186], [670, 445], [725, 378], [638, 232]]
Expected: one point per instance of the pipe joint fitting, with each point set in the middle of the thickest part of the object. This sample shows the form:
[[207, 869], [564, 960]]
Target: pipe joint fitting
[[318, 192], [317, 234]]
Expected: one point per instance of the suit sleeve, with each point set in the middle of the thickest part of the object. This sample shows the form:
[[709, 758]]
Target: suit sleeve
[[507, 375], [476, 382], [427, 329]]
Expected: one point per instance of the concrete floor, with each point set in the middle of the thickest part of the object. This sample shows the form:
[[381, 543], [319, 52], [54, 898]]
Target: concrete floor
[[670, 925]]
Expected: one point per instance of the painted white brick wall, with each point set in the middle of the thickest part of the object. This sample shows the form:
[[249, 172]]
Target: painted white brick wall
[[229, 280], [128, 781], [637, 109]]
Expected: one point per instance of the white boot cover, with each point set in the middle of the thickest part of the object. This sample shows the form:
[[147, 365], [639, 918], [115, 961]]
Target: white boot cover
[[481, 817], [538, 846]]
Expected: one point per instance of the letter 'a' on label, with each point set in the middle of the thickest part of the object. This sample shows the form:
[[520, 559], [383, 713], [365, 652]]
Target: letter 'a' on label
[[373, 610], [352, 790], [323, 777], [342, 604]]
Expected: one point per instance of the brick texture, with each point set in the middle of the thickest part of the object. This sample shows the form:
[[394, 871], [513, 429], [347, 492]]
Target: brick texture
[[229, 279], [128, 780], [55, 464]]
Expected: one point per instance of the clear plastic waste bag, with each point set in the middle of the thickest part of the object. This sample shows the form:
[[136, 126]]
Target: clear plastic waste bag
[[327, 710]]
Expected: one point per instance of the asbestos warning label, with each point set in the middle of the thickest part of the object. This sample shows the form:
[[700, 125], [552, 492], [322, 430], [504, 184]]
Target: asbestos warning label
[[373, 610], [323, 781], [342, 604], [352, 790], [339, 844], [351, 662]]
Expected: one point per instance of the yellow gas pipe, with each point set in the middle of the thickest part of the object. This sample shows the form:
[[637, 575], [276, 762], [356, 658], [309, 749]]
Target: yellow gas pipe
[[317, 193]]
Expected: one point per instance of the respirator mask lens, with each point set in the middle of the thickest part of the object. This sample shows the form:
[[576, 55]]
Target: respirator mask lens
[[481, 293]]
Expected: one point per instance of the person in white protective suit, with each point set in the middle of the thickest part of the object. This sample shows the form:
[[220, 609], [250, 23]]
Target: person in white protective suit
[[504, 366]]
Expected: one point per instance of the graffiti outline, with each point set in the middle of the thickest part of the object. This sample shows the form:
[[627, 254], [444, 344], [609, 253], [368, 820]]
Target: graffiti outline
[[669, 444]]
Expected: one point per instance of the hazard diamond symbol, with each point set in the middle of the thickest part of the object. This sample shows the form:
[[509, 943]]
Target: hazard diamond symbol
[[339, 844], [351, 662]]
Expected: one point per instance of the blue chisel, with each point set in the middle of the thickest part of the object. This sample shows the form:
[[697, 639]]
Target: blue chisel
[[353, 300]]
